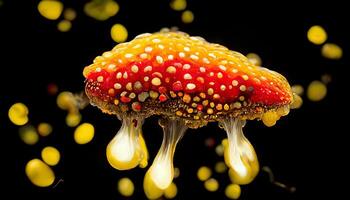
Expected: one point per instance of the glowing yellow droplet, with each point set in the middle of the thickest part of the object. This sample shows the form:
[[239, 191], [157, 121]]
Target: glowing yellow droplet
[[233, 191], [69, 14], [65, 101], [317, 35], [219, 150], [50, 155], [187, 17], [44, 129], [298, 89], [111, 8], [18, 114], [50, 9], [220, 167], [211, 185], [64, 25], [119, 33], [178, 5], [254, 58], [73, 119], [297, 102], [84, 133], [39, 173], [176, 172], [126, 187], [28, 135], [171, 191], [204, 173], [270, 118], [332, 51], [316, 91], [151, 190]]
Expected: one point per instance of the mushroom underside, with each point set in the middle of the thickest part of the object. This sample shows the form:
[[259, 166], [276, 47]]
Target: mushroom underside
[[175, 108]]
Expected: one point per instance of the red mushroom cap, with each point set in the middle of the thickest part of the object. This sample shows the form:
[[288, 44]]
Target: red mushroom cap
[[177, 75]]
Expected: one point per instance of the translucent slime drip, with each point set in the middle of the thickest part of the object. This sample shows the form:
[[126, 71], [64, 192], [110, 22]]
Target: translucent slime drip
[[239, 153], [128, 149], [161, 173]]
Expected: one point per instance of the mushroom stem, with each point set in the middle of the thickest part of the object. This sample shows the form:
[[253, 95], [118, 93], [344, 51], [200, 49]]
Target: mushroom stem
[[239, 153], [161, 173], [128, 149]]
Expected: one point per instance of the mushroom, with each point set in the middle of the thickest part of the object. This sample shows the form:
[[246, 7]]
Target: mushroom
[[188, 82]]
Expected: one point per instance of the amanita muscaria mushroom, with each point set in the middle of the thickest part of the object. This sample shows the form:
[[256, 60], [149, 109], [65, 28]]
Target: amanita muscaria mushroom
[[189, 82]]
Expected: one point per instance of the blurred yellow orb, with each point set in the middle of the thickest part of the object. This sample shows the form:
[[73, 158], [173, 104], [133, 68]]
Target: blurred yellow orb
[[204, 173], [50, 155], [171, 191], [28, 135], [64, 25], [126, 187], [39, 173], [317, 35], [44, 129], [211, 185], [298, 89], [176, 172], [254, 58], [220, 167], [101, 10], [316, 91], [18, 114], [65, 101], [84, 133], [119, 33], [219, 149], [297, 102], [270, 118], [187, 17], [69, 14], [178, 5], [233, 191], [50, 9], [73, 119], [332, 51]]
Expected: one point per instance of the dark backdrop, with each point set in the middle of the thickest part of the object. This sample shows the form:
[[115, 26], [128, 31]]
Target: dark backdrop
[[305, 149]]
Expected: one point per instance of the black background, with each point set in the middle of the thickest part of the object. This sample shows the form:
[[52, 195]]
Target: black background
[[305, 149]]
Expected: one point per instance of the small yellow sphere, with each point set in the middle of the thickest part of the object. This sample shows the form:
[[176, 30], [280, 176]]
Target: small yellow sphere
[[178, 5], [233, 191], [39, 173], [270, 118], [297, 102], [316, 91], [64, 25], [204, 173], [317, 35], [69, 14], [254, 58], [332, 51], [187, 17], [18, 114], [50, 9], [171, 191], [126, 187], [73, 119], [44, 129], [119, 33], [211, 185], [220, 167], [50, 155], [84, 133], [28, 135], [298, 89]]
